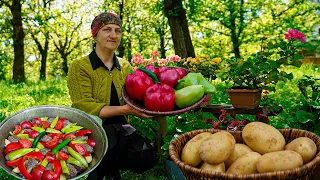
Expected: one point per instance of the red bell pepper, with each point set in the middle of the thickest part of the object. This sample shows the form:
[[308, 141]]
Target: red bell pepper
[[153, 69], [34, 155], [169, 77], [13, 146], [182, 72], [37, 172], [160, 97], [163, 68], [52, 143], [25, 124], [55, 174], [25, 143], [17, 129], [13, 162], [23, 170], [83, 132], [137, 84], [91, 142], [33, 134]]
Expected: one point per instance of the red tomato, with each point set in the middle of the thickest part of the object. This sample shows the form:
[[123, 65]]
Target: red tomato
[[25, 143], [17, 129], [59, 125], [37, 120], [33, 134], [80, 148], [52, 143], [25, 124], [68, 136], [45, 124], [63, 156], [49, 175], [51, 158], [91, 142], [37, 172], [57, 135]]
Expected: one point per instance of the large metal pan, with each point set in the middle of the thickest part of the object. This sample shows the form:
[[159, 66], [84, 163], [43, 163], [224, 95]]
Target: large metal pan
[[74, 115]]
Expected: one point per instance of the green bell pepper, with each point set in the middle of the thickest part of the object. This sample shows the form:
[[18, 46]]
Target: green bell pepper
[[74, 161], [189, 95], [54, 122], [51, 130], [72, 129], [68, 126], [40, 146], [64, 167], [78, 142], [19, 153], [78, 156], [45, 162], [38, 129], [198, 79]]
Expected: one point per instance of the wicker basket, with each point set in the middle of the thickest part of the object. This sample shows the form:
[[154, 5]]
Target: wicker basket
[[176, 111], [139, 105], [303, 172]]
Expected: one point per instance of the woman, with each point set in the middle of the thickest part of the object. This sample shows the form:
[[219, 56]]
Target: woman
[[95, 82]]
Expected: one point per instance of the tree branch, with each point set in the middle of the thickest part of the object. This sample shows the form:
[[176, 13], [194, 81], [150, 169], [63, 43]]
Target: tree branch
[[37, 42], [215, 31], [5, 3]]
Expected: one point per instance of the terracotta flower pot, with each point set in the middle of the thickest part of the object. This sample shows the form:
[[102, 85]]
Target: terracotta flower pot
[[245, 98]]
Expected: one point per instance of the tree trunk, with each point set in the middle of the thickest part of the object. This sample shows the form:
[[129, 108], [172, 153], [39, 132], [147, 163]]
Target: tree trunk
[[18, 44], [179, 28], [161, 34], [44, 55], [65, 64], [121, 47]]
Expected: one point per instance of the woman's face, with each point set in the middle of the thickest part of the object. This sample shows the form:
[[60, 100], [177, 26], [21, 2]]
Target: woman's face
[[109, 37]]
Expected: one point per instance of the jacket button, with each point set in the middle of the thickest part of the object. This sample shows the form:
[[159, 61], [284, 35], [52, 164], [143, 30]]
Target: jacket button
[[97, 100], [117, 86]]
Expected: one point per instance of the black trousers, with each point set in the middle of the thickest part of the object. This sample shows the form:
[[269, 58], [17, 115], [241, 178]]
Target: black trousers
[[125, 152]]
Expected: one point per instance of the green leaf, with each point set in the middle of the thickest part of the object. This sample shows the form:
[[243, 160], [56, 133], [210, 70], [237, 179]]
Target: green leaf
[[304, 117]]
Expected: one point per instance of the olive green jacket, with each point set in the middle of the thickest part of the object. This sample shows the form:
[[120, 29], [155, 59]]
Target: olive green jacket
[[90, 89]]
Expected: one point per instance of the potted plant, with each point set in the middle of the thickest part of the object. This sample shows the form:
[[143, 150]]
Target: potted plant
[[260, 70]]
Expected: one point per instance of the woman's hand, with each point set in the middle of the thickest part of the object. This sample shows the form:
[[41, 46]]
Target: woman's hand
[[134, 112]]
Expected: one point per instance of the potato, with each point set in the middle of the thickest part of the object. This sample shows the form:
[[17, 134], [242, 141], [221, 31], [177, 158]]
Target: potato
[[263, 138], [217, 148], [278, 161], [190, 152], [239, 150], [213, 167], [246, 164], [305, 147]]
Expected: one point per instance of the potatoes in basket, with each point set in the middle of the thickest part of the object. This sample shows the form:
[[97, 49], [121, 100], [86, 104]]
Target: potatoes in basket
[[278, 161], [246, 164], [217, 148], [305, 147], [239, 150], [263, 138], [215, 168], [190, 153]]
